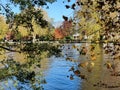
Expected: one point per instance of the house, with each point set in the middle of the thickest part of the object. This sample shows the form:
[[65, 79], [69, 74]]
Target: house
[[76, 36]]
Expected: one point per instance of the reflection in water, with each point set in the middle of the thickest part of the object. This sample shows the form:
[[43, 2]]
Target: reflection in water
[[56, 75]]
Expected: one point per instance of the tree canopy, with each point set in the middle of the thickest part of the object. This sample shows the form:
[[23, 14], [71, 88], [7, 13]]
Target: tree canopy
[[93, 15], [29, 10]]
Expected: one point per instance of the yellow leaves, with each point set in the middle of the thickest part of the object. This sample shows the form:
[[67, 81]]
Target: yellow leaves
[[106, 41], [108, 65], [106, 7], [74, 46], [87, 65], [95, 15], [97, 41], [23, 31], [83, 65], [92, 64], [3, 27], [113, 14], [93, 56], [118, 5]]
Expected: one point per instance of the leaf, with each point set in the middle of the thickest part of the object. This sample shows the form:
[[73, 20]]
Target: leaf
[[67, 6], [68, 58], [93, 58], [82, 76], [89, 69], [65, 18], [74, 46], [77, 72], [92, 64], [83, 65], [71, 69], [73, 6], [78, 3], [68, 0], [108, 65], [71, 77]]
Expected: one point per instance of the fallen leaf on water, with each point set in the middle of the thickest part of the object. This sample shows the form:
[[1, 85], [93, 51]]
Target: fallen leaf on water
[[77, 72], [108, 65], [84, 64], [68, 58], [82, 76], [93, 58], [89, 69], [74, 46], [71, 77], [92, 64], [71, 69]]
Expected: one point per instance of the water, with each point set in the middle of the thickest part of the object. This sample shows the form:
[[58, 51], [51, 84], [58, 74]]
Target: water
[[56, 74]]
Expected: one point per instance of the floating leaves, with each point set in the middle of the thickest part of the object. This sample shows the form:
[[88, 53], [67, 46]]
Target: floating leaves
[[83, 76], [83, 65], [105, 85], [77, 72], [71, 77], [83, 51]]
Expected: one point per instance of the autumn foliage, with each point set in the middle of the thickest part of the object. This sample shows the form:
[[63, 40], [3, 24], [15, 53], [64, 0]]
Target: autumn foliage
[[58, 34], [63, 30]]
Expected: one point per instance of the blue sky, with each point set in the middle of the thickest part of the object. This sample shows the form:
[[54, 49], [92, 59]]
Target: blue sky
[[58, 9]]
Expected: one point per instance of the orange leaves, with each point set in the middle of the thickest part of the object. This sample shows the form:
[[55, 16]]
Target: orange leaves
[[58, 34], [93, 58], [77, 72]]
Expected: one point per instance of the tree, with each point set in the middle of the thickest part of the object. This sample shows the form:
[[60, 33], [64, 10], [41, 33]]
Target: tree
[[28, 11], [95, 15], [101, 16], [29, 16], [3, 27]]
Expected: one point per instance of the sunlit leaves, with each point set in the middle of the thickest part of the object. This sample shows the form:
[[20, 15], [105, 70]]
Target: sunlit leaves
[[104, 14], [83, 64], [3, 27]]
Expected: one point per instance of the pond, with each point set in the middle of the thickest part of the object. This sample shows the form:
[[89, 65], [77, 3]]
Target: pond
[[56, 74]]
